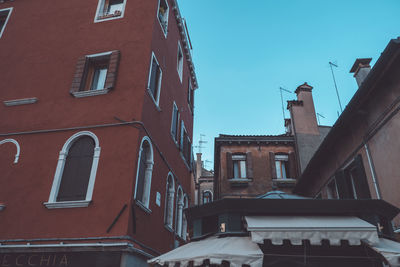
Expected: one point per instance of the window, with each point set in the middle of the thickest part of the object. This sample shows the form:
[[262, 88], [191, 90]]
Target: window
[[169, 201], [184, 220], [144, 173], [186, 145], [76, 171], [331, 190], [18, 149], [154, 82], [179, 66], [281, 164], [190, 96], [175, 122], [110, 9], [239, 166], [207, 196], [162, 14], [4, 16], [179, 211], [352, 182], [95, 74]]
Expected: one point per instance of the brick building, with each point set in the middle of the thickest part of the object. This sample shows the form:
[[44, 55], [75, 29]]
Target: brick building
[[95, 134], [249, 166], [204, 192], [359, 157]]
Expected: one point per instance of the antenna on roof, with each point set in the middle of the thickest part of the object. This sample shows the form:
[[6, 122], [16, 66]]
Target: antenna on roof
[[334, 81], [319, 115], [201, 142], [283, 106]]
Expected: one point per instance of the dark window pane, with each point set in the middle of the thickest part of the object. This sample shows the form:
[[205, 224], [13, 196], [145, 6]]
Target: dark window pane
[[142, 170], [77, 168]]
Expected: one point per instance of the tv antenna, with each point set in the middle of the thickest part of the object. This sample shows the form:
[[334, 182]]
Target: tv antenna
[[334, 81], [283, 106], [201, 142], [319, 115]]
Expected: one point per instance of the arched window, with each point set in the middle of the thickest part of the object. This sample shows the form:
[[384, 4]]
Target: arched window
[[184, 220], [16, 144], [76, 171], [169, 201], [179, 211], [144, 172], [207, 196]]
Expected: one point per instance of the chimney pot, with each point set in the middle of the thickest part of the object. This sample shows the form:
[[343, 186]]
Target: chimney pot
[[303, 87], [361, 69]]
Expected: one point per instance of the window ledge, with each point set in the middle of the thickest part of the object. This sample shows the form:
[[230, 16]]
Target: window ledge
[[2, 206], [67, 204], [152, 98], [240, 180], [185, 161], [22, 101], [141, 205], [285, 180], [80, 94]]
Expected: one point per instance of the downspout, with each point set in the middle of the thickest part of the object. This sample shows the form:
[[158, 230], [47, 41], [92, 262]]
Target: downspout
[[373, 173]]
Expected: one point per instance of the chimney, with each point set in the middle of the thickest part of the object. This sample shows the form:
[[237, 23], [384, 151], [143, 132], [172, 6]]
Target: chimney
[[302, 111], [199, 165], [361, 69]]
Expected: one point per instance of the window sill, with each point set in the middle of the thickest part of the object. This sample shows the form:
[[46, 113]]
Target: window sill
[[107, 17], [67, 204], [174, 141], [81, 94], [240, 180], [2, 206], [285, 180], [152, 98], [18, 102], [141, 205]]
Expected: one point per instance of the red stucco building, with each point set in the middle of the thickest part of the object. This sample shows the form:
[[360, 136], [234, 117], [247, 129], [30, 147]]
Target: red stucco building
[[95, 133]]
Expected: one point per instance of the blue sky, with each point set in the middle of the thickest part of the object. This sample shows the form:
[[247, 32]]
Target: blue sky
[[244, 51]]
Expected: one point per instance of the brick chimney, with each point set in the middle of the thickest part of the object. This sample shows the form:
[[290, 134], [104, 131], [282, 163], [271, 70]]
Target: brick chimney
[[199, 165], [361, 69], [302, 111], [304, 125]]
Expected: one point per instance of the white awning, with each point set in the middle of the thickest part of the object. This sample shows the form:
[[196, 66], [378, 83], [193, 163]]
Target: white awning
[[235, 250], [312, 228], [389, 249]]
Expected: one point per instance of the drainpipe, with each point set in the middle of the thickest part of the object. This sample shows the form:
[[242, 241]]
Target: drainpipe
[[372, 168]]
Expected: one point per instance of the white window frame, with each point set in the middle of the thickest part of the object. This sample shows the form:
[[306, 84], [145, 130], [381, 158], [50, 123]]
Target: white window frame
[[169, 196], [15, 142], [8, 17], [176, 136], [148, 175], [183, 233], [179, 210], [179, 63], [99, 10], [240, 159], [156, 99], [282, 158], [158, 10], [211, 194], [53, 203]]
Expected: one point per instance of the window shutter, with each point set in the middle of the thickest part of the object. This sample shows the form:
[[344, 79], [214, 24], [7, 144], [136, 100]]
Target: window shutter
[[249, 165], [76, 174], [229, 165], [112, 70], [292, 165], [342, 187], [77, 82], [272, 164], [361, 182]]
